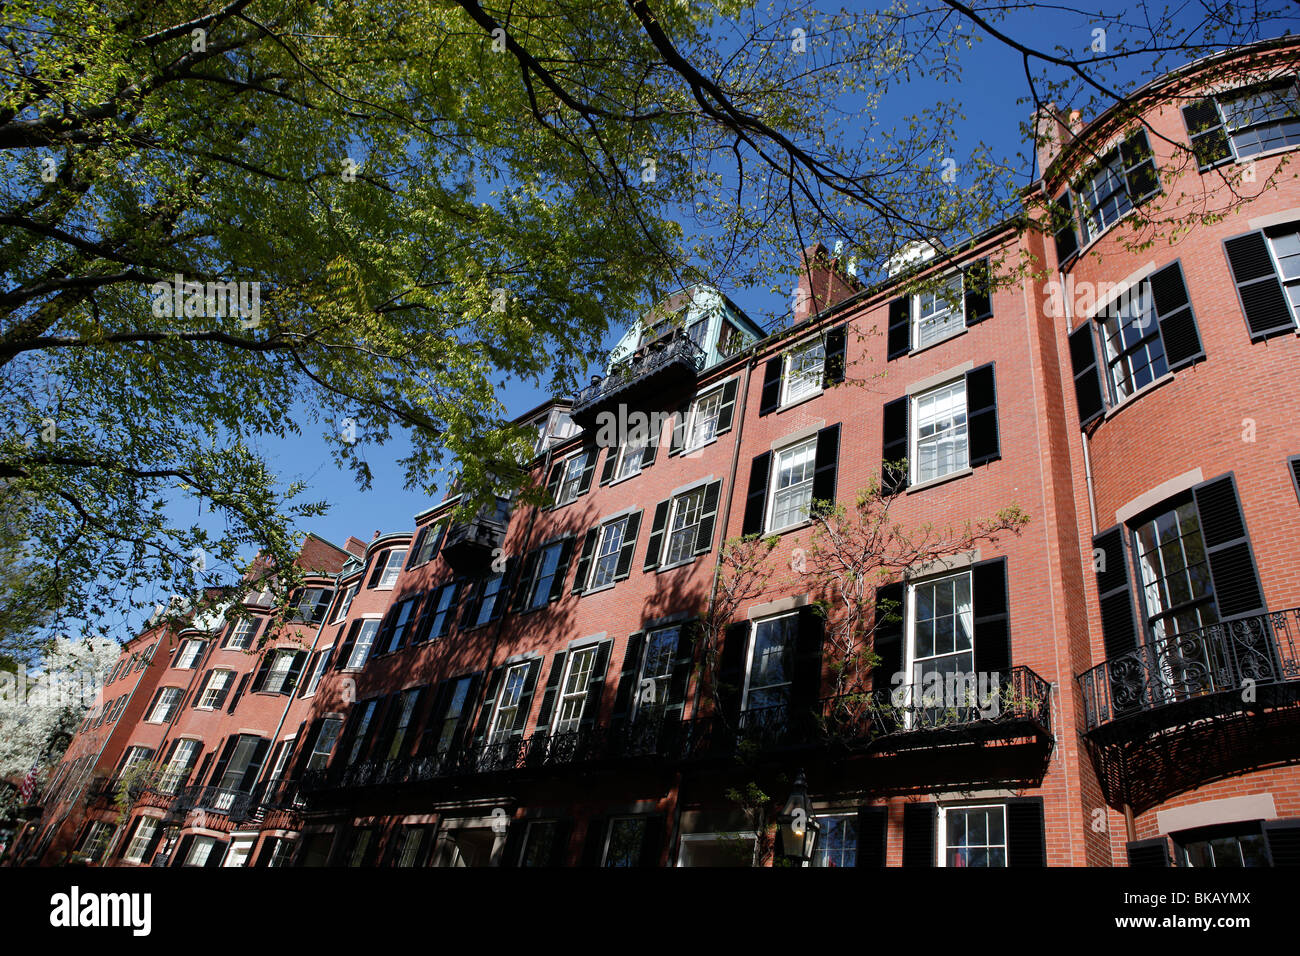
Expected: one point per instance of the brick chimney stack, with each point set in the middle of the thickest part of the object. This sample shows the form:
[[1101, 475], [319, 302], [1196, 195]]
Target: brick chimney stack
[[1053, 131], [824, 280]]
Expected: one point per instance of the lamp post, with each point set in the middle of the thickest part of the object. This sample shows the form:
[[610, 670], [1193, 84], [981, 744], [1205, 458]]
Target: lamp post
[[799, 828]]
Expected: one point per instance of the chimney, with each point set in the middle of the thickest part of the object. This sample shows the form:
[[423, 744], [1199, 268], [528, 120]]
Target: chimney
[[355, 546], [824, 281], [1053, 130]]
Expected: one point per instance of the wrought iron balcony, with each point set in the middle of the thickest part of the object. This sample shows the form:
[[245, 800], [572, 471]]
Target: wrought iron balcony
[[470, 546], [1224, 665], [234, 805], [654, 369]]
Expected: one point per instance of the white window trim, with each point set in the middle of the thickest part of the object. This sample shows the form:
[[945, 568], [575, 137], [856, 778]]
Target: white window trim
[[589, 586], [181, 652], [565, 480], [152, 710], [203, 694], [400, 554], [127, 856], [493, 731], [772, 489], [718, 837], [693, 417], [638, 689], [229, 643], [668, 529], [751, 645], [349, 595], [914, 435], [1277, 267], [914, 314], [942, 826], [909, 633], [561, 694], [1240, 92], [347, 665], [787, 360], [318, 672]]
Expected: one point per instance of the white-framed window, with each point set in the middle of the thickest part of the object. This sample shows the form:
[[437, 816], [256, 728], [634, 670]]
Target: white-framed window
[[837, 844], [1104, 196], [361, 729], [543, 578], [409, 850], [717, 849], [684, 526], [624, 841], [573, 689], [441, 609], [973, 836], [570, 478], [403, 615], [941, 636], [279, 762], [939, 439], [135, 754], [282, 853], [145, 828], [201, 851], [165, 707], [214, 691], [237, 855], [539, 843], [792, 484], [392, 568], [703, 425], [938, 313], [630, 457], [346, 603], [323, 745], [117, 709], [1177, 591], [651, 694], [1284, 244], [768, 669], [407, 704], [278, 675], [1261, 119], [455, 711], [361, 649], [1135, 352], [178, 767], [507, 706], [802, 372], [188, 656], [241, 635], [604, 560], [317, 671], [488, 603], [96, 840], [312, 605]]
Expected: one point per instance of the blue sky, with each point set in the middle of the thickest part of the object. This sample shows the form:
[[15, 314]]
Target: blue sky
[[994, 81]]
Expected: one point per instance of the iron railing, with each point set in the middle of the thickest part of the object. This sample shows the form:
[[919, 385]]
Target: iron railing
[[234, 805], [989, 705], [1227, 659], [678, 349]]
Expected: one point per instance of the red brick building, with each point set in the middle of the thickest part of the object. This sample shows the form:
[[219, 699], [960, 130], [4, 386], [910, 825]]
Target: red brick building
[[527, 688]]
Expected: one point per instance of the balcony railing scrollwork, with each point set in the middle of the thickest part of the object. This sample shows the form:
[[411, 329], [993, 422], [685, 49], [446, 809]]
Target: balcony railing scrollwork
[[675, 358]]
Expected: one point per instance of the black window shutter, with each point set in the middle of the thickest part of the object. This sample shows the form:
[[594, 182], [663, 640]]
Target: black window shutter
[[1283, 838], [978, 300], [630, 531], [652, 841], [806, 677], [1139, 167], [1227, 548], [770, 398], [873, 827], [893, 454], [1067, 235], [260, 679], [596, 686], [553, 481], [756, 501], [217, 854], [588, 470], [489, 702], [584, 560], [1148, 852], [836, 347], [323, 601], [992, 619], [678, 440], [887, 637], [1262, 300], [708, 518], [982, 416], [628, 687], [560, 843], [1293, 463], [437, 713], [651, 450], [727, 413], [345, 651], [593, 846], [1206, 134], [527, 577], [552, 689], [458, 589], [899, 336], [224, 692], [514, 843], [920, 821], [611, 459], [657, 526], [219, 769], [561, 569], [1026, 834], [381, 559], [1118, 624], [731, 669], [295, 670], [826, 463], [1087, 375], [254, 768], [414, 554], [526, 698], [1175, 318], [386, 627], [202, 686], [680, 678], [182, 849]]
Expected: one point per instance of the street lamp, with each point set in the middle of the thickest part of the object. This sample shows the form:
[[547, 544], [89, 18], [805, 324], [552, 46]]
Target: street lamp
[[799, 828]]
